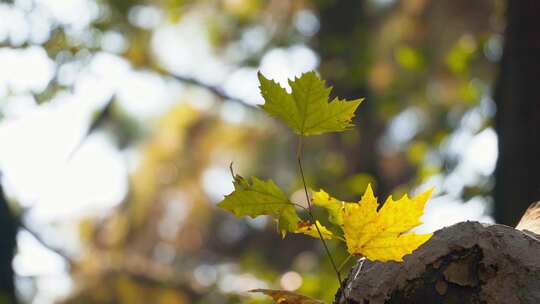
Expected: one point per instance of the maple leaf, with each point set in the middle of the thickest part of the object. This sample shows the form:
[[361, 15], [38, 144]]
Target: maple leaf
[[306, 109], [258, 197], [309, 228], [287, 297], [381, 235], [332, 205]]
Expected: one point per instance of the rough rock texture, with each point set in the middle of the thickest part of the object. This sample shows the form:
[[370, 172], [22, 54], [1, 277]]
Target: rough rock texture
[[465, 263]]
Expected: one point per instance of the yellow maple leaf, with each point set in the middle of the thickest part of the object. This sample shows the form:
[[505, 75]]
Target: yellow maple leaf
[[382, 235], [308, 228], [332, 205]]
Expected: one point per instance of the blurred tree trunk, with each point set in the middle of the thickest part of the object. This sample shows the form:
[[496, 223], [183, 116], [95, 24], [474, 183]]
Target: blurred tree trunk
[[8, 233], [345, 65], [518, 113]]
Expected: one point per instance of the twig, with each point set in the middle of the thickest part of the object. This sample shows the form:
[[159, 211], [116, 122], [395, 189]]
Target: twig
[[103, 115], [106, 111], [231, 170], [218, 91], [44, 243], [344, 262], [18, 221], [310, 211]]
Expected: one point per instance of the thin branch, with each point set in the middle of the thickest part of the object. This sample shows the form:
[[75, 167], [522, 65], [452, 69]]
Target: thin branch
[[44, 243], [231, 169], [103, 115], [216, 90], [18, 221], [310, 212]]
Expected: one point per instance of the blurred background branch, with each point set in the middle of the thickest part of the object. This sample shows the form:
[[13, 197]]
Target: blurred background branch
[[216, 90]]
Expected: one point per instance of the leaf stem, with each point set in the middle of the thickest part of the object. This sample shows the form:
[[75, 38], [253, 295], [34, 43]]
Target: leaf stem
[[300, 206], [310, 211], [231, 169], [344, 262]]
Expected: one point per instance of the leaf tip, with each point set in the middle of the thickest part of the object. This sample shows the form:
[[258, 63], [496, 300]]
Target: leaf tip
[[369, 191]]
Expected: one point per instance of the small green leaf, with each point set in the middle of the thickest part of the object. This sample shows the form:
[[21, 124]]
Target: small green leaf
[[306, 109], [258, 197], [334, 206]]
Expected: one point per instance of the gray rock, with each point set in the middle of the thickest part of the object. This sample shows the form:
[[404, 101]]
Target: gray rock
[[465, 263]]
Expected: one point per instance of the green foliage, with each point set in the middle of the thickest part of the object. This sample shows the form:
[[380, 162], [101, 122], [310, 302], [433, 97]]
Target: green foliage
[[306, 109], [260, 197]]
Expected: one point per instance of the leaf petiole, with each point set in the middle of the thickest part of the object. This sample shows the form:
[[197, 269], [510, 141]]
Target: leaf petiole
[[310, 212], [344, 262]]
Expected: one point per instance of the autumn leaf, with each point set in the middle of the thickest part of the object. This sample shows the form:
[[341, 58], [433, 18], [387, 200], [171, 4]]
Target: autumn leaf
[[309, 228], [306, 109], [382, 235], [258, 197], [376, 234], [287, 297], [334, 206]]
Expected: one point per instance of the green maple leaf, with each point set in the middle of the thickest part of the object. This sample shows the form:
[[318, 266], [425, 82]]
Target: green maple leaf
[[306, 109], [258, 197]]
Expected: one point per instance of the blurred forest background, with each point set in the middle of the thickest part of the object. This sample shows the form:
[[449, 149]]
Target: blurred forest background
[[119, 119]]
